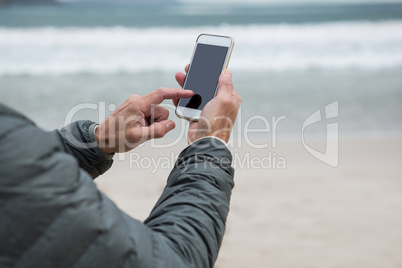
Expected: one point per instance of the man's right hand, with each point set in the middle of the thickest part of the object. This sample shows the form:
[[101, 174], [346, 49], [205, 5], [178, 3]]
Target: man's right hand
[[219, 115], [137, 120]]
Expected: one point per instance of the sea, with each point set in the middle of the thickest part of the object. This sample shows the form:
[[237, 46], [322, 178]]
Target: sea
[[79, 61]]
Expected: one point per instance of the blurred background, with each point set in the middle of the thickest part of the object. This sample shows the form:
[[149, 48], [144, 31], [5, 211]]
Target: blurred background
[[290, 59]]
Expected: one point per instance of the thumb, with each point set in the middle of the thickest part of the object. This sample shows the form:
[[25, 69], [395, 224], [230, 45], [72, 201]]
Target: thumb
[[159, 129], [225, 85]]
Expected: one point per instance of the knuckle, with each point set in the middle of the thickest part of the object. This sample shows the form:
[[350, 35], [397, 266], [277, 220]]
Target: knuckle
[[166, 112], [130, 136], [160, 90], [160, 93], [239, 100], [133, 100], [133, 97], [158, 133], [228, 101], [226, 81]]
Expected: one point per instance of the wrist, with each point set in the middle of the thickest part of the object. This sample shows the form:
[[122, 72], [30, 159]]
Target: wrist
[[101, 144], [96, 133], [224, 136], [221, 134]]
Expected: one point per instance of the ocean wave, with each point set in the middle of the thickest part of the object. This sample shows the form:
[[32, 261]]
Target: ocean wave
[[281, 47]]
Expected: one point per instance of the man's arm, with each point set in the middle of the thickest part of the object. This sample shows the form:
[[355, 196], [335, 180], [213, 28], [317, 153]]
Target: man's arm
[[189, 219], [78, 140], [54, 216], [137, 120]]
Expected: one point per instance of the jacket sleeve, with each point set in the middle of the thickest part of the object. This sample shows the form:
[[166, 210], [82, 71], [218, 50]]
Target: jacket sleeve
[[52, 214], [188, 221], [78, 140]]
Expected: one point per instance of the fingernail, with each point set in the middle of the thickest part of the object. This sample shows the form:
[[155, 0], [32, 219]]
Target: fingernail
[[170, 125]]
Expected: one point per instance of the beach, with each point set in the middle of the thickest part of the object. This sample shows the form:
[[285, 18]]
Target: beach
[[306, 215], [316, 145]]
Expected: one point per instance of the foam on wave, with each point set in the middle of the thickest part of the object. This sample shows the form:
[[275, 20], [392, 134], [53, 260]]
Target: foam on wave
[[341, 45]]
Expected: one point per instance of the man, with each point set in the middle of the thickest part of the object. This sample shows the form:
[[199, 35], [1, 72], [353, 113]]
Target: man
[[52, 215]]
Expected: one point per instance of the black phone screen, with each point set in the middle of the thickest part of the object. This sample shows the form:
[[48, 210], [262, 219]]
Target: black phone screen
[[203, 76]]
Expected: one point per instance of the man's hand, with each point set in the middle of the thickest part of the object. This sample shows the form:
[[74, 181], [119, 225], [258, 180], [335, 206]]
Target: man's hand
[[137, 120], [219, 115]]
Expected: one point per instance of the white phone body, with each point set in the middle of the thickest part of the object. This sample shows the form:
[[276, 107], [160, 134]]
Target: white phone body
[[210, 57]]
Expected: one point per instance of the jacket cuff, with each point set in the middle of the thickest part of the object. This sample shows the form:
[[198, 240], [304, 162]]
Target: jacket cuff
[[211, 137], [207, 149], [93, 140]]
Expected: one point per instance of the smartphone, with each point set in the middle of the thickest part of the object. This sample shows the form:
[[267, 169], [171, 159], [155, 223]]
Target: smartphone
[[210, 57]]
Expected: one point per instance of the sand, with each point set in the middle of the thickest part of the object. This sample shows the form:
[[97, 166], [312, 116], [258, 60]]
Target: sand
[[305, 215]]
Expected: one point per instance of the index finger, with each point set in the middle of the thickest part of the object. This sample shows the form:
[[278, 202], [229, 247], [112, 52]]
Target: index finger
[[157, 96]]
